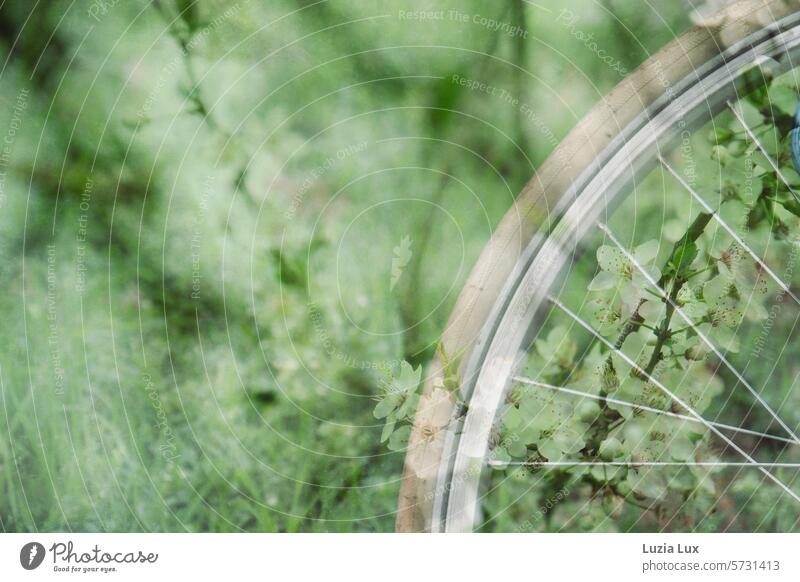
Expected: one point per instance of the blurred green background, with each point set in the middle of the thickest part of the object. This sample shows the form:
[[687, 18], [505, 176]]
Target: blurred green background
[[221, 223]]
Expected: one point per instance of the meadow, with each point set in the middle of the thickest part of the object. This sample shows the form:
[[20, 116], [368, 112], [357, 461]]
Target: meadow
[[224, 224]]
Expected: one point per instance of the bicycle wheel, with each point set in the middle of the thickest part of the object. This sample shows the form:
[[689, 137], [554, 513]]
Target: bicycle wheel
[[631, 171]]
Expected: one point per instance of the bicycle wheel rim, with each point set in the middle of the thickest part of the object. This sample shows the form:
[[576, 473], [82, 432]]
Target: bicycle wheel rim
[[630, 156]]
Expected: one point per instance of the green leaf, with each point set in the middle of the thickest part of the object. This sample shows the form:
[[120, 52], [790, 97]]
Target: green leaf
[[719, 135], [408, 379], [569, 440], [517, 448], [749, 113], [512, 419], [558, 347], [550, 450], [650, 482], [610, 449], [684, 255], [409, 406], [783, 98], [588, 410], [388, 428], [544, 419], [399, 439], [681, 449], [387, 405]]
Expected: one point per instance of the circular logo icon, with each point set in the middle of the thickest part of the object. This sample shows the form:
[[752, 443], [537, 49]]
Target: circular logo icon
[[31, 555]]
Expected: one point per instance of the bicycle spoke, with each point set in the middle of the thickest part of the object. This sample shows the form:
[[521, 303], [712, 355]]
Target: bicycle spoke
[[645, 408], [669, 393], [763, 150], [728, 229], [694, 328], [671, 366], [635, 464]]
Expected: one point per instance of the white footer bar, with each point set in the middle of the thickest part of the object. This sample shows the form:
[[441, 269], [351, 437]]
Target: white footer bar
[[353, 557]]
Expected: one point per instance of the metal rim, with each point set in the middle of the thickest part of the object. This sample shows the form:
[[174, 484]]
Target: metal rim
[[696, 99]]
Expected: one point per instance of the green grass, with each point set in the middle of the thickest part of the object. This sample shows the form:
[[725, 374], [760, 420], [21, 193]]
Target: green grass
[[248, 404]]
